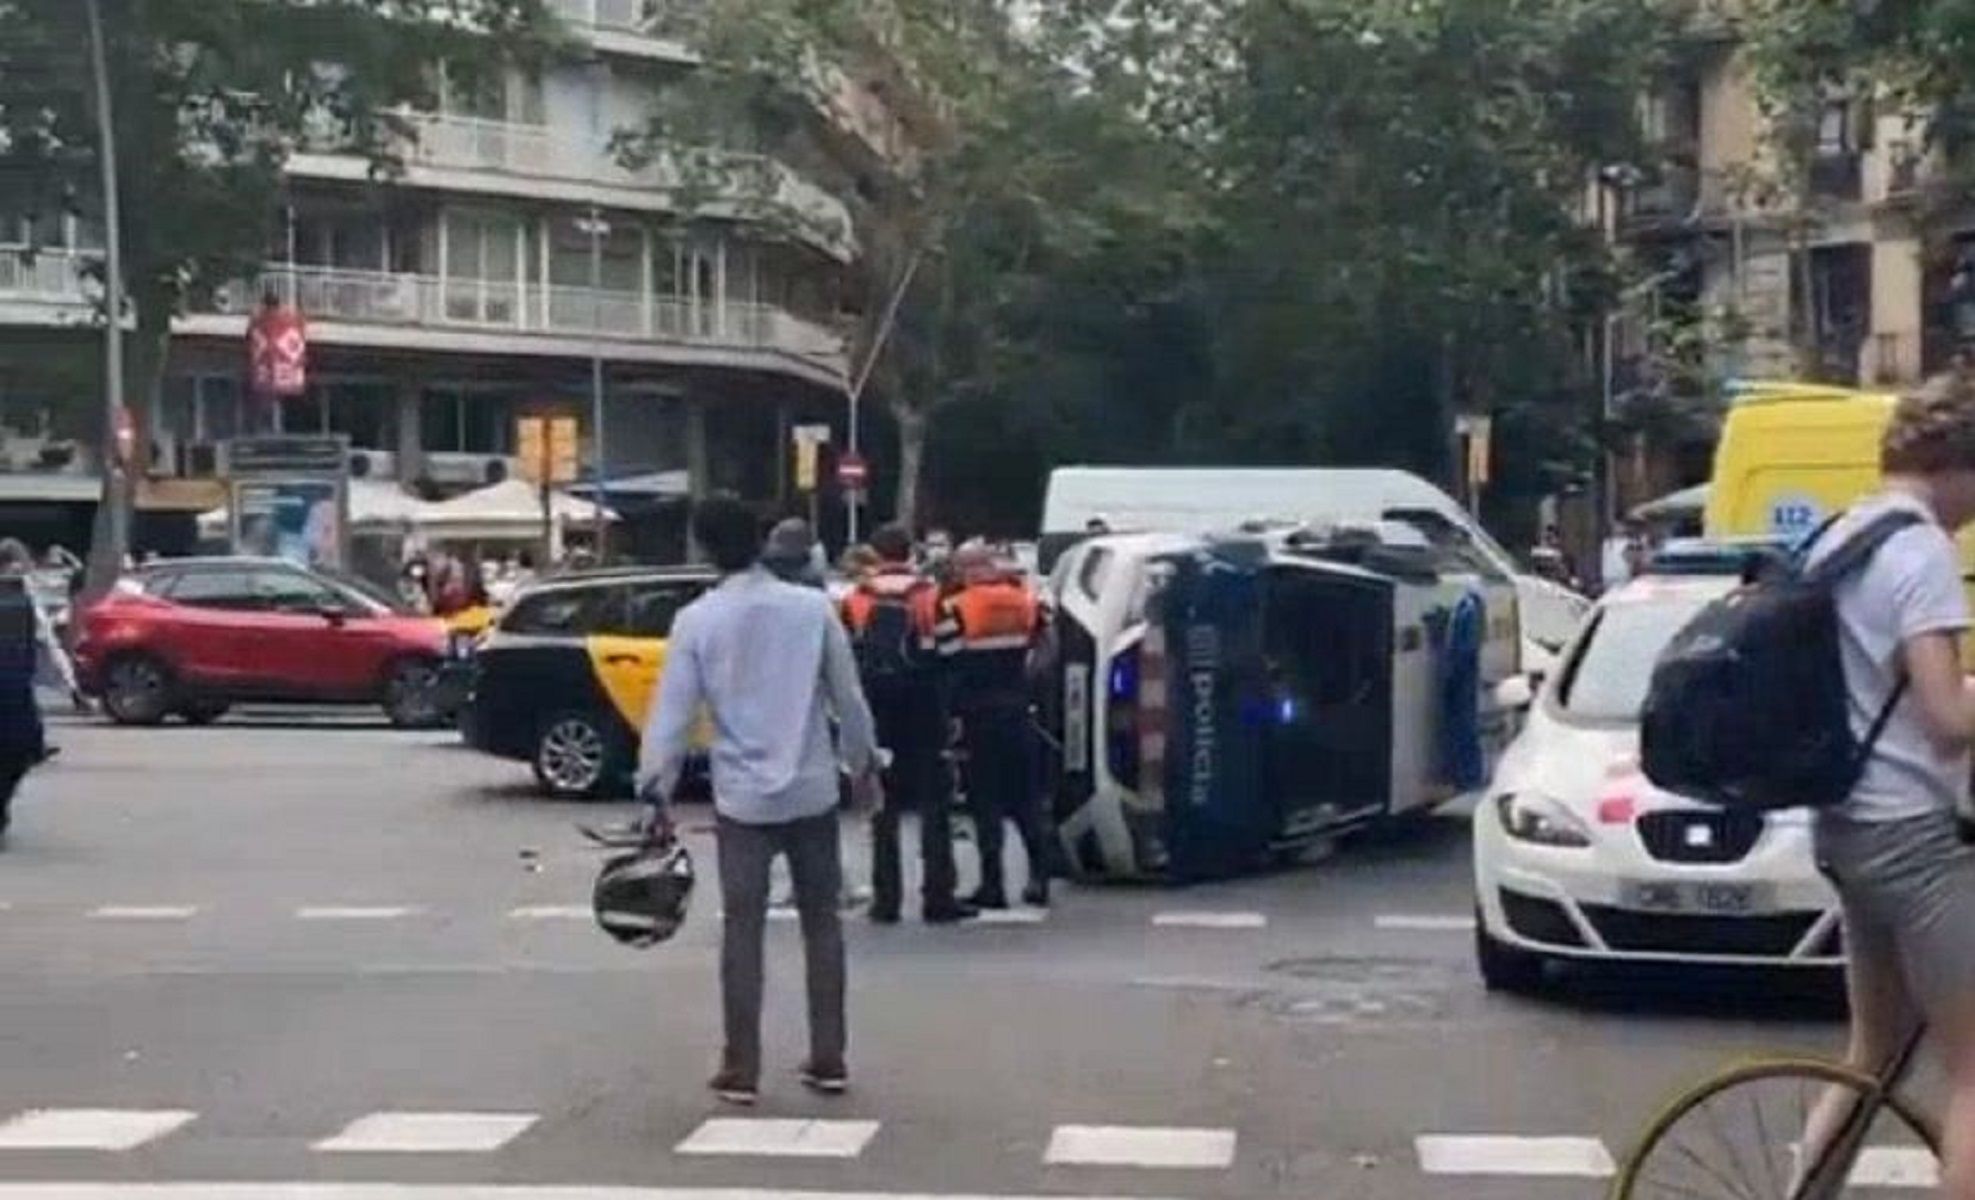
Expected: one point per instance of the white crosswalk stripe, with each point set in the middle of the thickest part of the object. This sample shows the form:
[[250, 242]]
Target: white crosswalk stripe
[[1578, 1157], [1425, 922], [550, 912], [778, 1137], [112, 1129], [1139, 1146], [1209, 920], [144, 912], [428, 1133], [1011, 916], [352, 912]]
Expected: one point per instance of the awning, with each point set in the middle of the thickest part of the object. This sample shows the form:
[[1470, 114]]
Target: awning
[[652, 485], [510, 509], [1687, 502]]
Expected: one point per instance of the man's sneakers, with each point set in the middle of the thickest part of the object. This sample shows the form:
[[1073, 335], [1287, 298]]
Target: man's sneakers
[[734, 1088], [826, 1080]]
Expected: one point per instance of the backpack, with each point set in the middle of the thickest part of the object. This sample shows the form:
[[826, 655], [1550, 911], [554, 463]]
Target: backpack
[[1747, 707], [885, 643]]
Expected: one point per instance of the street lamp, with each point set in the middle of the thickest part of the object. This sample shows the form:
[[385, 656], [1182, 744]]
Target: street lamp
[[113, 523], [597, 229]]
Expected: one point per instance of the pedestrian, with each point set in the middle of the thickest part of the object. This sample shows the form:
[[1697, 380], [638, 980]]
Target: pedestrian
[[987, 630], [1905, 878], [790, 554], [22, 743], [771, 665], [890, 614]]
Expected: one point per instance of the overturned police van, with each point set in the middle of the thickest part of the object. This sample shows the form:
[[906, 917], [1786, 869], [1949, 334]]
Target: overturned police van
[[1216, 703]]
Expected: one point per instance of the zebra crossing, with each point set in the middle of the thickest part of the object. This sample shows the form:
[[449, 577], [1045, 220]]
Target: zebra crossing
[[1158, 1150]]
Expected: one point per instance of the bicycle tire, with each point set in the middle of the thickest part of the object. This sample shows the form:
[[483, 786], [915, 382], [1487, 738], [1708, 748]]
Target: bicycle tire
[[1633, 1182]]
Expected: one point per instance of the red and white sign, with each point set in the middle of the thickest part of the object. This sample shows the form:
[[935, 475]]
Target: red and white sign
[[277, 352], [853, 473]]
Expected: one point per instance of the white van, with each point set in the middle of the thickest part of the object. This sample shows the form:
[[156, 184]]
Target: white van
[[1086, 500]]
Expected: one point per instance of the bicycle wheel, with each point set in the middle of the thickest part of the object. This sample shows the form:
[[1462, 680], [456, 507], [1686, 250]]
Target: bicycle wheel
[[1738, 1137]]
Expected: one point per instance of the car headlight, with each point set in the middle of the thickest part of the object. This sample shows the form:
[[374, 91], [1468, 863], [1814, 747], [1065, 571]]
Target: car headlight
[[1539, 819]]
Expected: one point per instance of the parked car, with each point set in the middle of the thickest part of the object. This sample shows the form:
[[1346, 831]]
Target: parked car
[[565, 678], [1578, 857], [190, 637]]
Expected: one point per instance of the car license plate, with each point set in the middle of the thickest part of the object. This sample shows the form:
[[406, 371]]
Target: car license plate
[[1693, 896]]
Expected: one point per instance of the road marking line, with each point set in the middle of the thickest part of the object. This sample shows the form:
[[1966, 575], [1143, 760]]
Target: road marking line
[[550, 912], [1209, 920], [89, 1128], [427, 1133], [776, 1137], [352, 913], [1575, 1157], [1896, 1167], [143, 912], [1425, 923], [1139, 1146], [1011, 916]]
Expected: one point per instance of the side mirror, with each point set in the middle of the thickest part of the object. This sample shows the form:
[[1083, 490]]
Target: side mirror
[[333, 611], [1517, 693]]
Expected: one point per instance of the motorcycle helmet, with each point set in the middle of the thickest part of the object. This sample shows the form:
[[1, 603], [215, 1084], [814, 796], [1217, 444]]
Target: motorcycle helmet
[[640, 898]]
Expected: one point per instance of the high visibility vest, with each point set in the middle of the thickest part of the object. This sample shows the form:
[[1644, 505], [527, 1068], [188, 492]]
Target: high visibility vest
[[992, 626]]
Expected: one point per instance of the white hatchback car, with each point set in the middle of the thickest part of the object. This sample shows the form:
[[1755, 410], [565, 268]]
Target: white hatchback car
[[1578, 857]]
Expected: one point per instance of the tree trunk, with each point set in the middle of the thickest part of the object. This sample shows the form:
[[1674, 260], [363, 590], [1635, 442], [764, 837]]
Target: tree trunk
[[912, 425]]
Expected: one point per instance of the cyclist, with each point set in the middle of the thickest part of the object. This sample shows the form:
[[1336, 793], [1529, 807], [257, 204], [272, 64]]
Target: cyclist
[[1905, 878]]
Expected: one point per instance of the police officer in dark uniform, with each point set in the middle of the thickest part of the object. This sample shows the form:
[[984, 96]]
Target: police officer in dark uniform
[[890, 615], [987, 628], [21, 736]]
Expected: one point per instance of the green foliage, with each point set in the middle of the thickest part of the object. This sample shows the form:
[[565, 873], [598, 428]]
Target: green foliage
[[210, 98]]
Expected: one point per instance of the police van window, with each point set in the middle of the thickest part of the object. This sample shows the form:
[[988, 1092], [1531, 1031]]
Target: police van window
[[1456, 549], [208, 589], [1093, 571], [566, 611], [651, 608]]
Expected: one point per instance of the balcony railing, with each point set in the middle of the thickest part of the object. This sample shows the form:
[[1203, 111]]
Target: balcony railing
[[379, 298], [653, 18], [47, 276], [1837, 176], [448, 141]]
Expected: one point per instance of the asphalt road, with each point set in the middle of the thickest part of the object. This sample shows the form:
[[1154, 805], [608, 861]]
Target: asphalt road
[[333, 954]]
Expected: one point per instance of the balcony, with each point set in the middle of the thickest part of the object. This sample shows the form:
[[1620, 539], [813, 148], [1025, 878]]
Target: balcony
[[559, 164], [552, 320], [47, 287], [663, 19]]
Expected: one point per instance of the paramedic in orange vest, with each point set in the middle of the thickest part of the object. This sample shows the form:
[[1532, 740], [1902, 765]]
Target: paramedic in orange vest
[[891, 614], [988, 627]]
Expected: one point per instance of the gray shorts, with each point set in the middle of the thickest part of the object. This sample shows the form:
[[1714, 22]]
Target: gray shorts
[[1908, 889]]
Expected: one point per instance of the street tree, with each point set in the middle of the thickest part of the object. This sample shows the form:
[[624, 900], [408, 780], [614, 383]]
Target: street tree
[[997, 177], [209, 98]]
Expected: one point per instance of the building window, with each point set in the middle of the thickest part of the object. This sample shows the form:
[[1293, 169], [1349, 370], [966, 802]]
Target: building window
[[366, 412], [219, 408], [439, 422]]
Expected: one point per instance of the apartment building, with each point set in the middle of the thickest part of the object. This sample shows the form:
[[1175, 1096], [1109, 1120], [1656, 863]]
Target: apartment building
[[1849, 274], [515, 249]]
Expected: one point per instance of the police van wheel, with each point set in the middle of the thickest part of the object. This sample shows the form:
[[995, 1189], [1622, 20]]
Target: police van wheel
[[577, 756]]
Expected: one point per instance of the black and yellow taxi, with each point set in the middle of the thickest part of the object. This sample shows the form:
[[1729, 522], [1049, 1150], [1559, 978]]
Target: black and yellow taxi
[[564, 678]]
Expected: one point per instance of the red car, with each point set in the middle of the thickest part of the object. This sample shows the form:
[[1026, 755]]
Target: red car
[[189, 637]]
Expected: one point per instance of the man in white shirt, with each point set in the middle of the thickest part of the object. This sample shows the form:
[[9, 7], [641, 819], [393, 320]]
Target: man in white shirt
[[769, 664]]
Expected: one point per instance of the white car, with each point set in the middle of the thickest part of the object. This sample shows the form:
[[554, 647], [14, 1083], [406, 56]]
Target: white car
[[1578, 857]]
